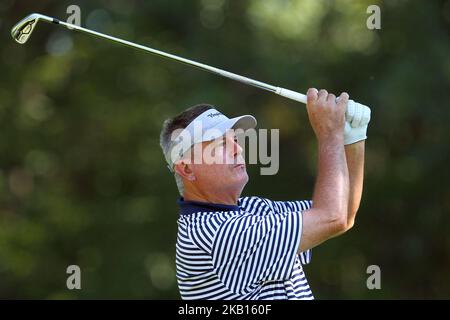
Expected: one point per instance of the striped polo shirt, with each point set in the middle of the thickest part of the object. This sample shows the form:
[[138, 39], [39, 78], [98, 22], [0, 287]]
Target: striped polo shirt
[[247, 251]]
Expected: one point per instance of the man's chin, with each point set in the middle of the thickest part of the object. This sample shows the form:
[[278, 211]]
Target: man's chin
[[244, 179]]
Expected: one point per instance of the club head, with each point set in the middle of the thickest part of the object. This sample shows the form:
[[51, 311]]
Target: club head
[[21, 32]]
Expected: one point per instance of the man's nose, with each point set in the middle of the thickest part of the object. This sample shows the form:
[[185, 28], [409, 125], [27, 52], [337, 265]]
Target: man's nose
[[236, 149]]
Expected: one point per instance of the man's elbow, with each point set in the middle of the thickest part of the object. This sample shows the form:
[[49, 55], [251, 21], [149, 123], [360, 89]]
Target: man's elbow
[[341, 220], [342, 225], [351, 218], [350, 224]]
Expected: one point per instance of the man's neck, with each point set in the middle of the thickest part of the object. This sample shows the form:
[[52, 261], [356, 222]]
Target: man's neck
[[219, 198]]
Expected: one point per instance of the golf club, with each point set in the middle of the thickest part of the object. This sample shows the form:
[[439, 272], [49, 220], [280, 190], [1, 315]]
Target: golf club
[[21, 32]]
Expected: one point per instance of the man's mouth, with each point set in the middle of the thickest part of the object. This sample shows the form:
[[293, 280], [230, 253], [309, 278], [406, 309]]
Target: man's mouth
[[239, 166]]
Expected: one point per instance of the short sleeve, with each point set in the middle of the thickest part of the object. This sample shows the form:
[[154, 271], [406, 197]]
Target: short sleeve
[[283, 206], [249, 249]]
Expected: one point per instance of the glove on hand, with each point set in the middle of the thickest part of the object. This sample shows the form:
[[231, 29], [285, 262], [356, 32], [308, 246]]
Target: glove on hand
[[357, 118]]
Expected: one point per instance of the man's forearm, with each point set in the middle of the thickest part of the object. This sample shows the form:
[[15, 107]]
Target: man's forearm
[[332, 184], [355, 161]]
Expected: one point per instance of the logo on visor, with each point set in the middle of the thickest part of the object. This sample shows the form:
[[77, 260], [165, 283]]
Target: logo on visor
[[212, 115]]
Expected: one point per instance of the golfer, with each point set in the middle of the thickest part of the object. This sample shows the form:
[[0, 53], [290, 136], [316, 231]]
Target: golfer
[[253, 248]]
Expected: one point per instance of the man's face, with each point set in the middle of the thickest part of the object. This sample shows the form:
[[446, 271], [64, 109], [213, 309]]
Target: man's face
[[219, 164]]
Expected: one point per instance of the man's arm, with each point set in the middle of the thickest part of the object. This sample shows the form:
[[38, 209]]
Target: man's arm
[[355, 162], [313, 227], [328, 216]]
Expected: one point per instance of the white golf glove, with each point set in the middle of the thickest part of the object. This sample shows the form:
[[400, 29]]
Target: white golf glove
[[357, 118]]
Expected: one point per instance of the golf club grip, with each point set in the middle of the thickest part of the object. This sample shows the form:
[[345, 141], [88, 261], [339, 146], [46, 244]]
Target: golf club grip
[[303, 99], [291, 95]]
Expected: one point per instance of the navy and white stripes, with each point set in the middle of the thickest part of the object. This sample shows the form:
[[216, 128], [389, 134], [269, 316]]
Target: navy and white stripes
[[248, 251]]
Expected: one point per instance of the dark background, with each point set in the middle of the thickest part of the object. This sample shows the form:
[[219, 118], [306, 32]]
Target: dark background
[[83, 181]]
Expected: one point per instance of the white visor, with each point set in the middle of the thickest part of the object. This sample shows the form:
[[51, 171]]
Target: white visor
[[208, 126]]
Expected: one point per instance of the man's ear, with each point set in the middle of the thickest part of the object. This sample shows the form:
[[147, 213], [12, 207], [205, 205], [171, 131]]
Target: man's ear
[[185, 170]]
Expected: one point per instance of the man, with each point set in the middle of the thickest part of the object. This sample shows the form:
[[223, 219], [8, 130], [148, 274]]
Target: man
[[232, 247]]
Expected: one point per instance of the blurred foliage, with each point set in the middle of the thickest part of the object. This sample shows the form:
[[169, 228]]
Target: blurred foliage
[[83, 181]]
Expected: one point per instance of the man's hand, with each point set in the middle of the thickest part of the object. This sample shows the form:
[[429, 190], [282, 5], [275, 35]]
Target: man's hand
[[357, 118], [325, 114]]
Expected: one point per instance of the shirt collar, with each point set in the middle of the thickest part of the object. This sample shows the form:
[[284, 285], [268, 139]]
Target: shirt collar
[[188, 207]]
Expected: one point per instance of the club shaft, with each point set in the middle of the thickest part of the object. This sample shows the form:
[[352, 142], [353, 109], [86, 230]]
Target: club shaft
[[22, 30], [199, 65]]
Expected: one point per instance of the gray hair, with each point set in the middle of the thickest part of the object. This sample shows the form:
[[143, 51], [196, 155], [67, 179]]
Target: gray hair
[[180, 121]]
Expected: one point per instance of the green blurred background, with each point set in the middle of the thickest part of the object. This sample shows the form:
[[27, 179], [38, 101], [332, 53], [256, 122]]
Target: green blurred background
[[83, 181]]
